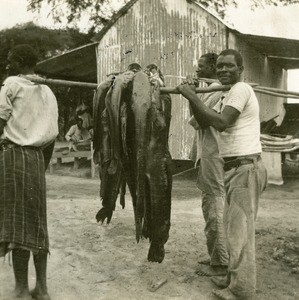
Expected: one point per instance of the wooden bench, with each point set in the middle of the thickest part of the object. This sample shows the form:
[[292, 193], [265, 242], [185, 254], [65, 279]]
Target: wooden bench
[[59, 154]]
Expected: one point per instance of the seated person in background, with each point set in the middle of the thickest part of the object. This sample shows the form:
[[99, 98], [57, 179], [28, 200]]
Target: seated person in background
[[83, 111], [79, 137]]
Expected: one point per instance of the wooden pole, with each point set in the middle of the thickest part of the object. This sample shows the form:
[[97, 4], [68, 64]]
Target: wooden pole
[[259, 89], [167, 90], [207, 80], [282, 95], [60, 82], [275, 90], [164, 90]]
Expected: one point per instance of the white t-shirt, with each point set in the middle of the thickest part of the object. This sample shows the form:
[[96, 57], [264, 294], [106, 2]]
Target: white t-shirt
[[242, 137], [30, 110]]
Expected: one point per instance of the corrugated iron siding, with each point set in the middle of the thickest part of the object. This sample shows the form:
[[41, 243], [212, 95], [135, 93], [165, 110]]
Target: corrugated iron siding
[[257, 68], [172, 34]]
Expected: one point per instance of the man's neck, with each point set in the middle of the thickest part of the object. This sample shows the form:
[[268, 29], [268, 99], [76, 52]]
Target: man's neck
[[212, 77], [27, 71]]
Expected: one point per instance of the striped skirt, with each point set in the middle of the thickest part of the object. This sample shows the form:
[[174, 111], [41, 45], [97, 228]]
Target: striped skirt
[[23, 210]]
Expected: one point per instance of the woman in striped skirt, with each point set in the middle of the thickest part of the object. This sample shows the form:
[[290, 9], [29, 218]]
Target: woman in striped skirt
[[28, 128]]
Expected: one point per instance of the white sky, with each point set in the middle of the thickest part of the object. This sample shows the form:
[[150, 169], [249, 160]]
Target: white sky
[[272, 21]]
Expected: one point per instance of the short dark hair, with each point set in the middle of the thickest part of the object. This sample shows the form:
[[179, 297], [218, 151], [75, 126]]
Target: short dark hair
[[235, 53], [134, 67], [154, 66], [78, 119], [25, 54], [211, 58]]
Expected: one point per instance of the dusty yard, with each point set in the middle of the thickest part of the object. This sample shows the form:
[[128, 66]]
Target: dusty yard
[[94, 261]]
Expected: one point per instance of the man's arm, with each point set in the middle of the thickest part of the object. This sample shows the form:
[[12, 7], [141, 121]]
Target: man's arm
[[70, 133], [204, 115], [47, 152]]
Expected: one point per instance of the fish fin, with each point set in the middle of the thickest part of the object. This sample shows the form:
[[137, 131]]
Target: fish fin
[[156, 253], [122, 194], [104, 213]]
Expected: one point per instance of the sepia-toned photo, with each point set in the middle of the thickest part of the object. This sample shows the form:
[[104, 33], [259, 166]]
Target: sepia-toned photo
[[149, 149]]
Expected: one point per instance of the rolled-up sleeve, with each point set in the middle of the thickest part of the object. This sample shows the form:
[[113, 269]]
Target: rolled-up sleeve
[[5, 102]]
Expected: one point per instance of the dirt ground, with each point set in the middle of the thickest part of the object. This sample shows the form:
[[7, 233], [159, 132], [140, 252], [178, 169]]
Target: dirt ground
[[93, 261]]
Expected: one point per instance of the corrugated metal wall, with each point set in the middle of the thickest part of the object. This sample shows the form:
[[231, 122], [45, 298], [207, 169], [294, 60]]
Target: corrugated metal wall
[[258, 69], [174, 34]]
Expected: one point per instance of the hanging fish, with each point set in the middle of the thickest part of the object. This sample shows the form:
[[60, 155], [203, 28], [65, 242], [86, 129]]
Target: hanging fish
[[133, 134], [159, 176], [108, 101]]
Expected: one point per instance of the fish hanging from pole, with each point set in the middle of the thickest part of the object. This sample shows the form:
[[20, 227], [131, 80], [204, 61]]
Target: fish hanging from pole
[[131, 128]]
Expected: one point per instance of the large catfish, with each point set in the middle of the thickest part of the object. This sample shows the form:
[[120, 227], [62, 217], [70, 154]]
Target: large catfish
[[159, 176], [133, 135], [110, 183], [107, 105], [141, 106]]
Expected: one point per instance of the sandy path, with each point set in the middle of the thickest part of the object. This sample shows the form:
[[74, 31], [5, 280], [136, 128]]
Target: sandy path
[[93, 261]]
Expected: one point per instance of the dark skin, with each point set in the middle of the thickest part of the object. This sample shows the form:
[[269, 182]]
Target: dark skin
[[20, 257], [206, 69], [228, 72]]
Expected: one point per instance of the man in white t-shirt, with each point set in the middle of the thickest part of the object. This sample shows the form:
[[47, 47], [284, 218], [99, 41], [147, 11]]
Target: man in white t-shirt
[[237, 119]]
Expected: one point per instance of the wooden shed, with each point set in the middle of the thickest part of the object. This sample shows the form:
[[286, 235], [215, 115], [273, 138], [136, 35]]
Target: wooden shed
[[174, 34]]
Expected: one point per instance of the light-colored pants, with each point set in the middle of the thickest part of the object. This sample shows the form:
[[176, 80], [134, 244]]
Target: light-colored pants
[[211, 183], [244, 186]]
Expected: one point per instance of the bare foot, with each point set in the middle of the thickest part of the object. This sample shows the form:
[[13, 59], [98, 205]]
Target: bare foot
[[221, 282], [204, 262], [225, 294], [211, 270], [37, 295]]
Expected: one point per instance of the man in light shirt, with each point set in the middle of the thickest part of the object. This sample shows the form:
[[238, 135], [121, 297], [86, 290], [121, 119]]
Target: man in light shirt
[[28, 128], [237, 120], [210, 178], [78, 136]]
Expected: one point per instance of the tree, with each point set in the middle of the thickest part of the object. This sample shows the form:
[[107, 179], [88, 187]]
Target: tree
[[48, 42], [100, 11]]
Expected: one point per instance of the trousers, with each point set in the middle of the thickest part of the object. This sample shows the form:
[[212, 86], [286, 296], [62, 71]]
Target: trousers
[[211, 183], [244, 185]]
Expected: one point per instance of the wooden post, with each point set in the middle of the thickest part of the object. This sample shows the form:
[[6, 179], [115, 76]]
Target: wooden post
[[76, 163], [59, 162]]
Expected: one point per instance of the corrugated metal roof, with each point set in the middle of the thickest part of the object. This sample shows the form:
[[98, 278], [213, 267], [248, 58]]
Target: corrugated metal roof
[[284, 52], [78, 64], [126, 7], [114, 18]]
